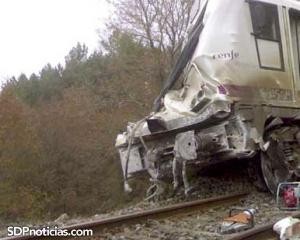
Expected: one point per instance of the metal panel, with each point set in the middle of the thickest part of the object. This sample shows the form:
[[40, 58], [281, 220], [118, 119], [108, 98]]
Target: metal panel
[[135, 164]]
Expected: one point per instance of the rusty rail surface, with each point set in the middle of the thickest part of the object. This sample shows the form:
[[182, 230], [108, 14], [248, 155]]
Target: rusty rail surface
[[259, 232], [181, 208]]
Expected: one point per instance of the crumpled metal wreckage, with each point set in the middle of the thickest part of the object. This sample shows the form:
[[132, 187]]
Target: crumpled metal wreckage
[[233, 94], [239, 219]]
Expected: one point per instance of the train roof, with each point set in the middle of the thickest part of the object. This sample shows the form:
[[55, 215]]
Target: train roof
[[287, 3], [294, 4]]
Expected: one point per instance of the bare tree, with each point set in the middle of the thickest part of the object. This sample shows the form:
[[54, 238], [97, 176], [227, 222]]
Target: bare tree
[[159, 24]]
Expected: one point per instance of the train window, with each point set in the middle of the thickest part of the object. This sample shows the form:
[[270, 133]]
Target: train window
[[266, 31], [265, 20]]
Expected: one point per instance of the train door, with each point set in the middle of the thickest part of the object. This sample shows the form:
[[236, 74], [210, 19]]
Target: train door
[[295, 47]]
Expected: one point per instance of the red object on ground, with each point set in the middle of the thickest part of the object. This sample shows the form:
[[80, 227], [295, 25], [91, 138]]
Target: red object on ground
[[289, 197]]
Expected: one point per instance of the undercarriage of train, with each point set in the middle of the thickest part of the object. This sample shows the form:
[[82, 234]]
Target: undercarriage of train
[[224, 133], [280, 162]]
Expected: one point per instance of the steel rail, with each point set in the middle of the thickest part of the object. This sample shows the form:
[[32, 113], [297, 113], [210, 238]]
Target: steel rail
[[256, 232], [163, 212]]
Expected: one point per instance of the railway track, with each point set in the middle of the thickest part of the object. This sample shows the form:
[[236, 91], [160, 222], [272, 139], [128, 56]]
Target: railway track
[[264, 232], [177, 210]]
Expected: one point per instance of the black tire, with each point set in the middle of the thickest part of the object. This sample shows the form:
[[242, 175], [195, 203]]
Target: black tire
[[273, 169], [255, 174]]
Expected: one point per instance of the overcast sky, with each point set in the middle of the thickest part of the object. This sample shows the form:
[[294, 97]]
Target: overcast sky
[[35, 32]]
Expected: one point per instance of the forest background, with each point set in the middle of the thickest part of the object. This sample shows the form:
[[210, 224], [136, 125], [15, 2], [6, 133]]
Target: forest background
[[58, 126]]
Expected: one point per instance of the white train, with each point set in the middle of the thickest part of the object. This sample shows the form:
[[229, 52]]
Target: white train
[[233, 94]]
